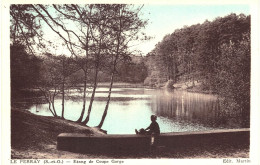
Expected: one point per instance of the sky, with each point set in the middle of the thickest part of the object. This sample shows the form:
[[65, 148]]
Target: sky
[[165, 19]]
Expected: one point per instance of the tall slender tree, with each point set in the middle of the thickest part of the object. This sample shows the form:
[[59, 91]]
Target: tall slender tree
[[125, 26]]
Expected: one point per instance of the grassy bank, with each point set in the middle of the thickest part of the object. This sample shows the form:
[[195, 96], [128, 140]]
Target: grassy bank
[[34, 137]]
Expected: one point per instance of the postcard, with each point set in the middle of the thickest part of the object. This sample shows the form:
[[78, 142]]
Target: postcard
[[98, 82]]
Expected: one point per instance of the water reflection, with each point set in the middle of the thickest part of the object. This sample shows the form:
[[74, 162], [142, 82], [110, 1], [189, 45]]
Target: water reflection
[[131, 108], [189, 107]]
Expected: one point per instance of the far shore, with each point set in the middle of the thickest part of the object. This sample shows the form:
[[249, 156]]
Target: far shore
[[185, 86]]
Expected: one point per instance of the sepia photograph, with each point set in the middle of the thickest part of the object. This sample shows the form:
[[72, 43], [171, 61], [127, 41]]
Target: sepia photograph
[[104, 83]]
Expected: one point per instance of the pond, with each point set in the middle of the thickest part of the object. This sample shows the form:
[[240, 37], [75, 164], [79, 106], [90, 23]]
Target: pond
[[131, 108]]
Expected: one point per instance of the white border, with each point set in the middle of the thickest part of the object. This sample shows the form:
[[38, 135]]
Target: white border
[[255, 77]]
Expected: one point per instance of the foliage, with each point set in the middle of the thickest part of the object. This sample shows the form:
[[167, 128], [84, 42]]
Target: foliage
[[126, 26], [216, 53], [54, 78], [234, 77], [131, 72], [25, 68], [26, 29], [97, 36]]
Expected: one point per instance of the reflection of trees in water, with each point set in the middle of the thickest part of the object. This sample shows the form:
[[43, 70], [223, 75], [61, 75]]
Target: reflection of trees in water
[[26, 102], [189, 107]]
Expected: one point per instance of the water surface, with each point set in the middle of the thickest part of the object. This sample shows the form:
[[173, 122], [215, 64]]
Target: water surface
[[131, 108]]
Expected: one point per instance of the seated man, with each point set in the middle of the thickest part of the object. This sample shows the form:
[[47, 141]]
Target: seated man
[[153, 129]]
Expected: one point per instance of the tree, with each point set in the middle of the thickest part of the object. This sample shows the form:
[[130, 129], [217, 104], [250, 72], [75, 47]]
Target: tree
[[78, 40], [102, 43], [97, 36], [50, 81], [26, 29], [167, 54], [25, 68], [66, 67], [234, 78], [218, 53], [125, 26], [129, 71]]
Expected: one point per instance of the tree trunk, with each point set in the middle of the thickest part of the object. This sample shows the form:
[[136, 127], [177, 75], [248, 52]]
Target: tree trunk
[[174, 72], [95, 83], [50, 109], [84, 97], [193, 75], [53, 106], [48, 100], [63, 97], [110, 88], [92, 98], [112, 76], [108, 100], [169, 74], [85, 81], [63, 93]]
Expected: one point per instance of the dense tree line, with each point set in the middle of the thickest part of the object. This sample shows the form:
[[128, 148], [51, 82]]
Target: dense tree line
[[217, 54]]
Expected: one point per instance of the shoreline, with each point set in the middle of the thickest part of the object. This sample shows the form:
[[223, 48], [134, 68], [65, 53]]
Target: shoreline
[[34, 137], [183, 86]]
